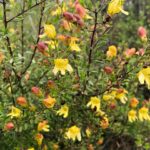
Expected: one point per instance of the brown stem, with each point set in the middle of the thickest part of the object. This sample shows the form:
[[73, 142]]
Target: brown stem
[[22, 35], [8, 40], [39, 31], [92, 42]]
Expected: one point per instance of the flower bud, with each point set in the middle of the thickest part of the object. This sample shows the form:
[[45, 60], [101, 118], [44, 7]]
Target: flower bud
[[9, 126], [80, 10], [140, 52], [42, 47], [100, 141], [22, 101], [134, 102], [112, 105], [68, 16], [130, 52], [36, 90], [51, 84], [108, 69], [142, 32]]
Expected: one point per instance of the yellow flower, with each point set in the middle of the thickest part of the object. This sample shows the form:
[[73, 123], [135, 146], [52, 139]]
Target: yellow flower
[[43, 126], [132, 116], [94, 103], [52, 44], [73, 133], [39, 138], [63, 111], [121, 95], [62, 65], [59, 10], [112, 52], [49, 31], [1, 57], [88, 132], [32, 148], [116, 6], [109, 96], [100, 113], [49, 102], [144, 75], [73, 45], [143, 114], [104, 123], [15, 112]]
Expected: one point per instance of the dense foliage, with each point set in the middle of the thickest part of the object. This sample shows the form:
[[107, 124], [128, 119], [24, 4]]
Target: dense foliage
[[74, 74]]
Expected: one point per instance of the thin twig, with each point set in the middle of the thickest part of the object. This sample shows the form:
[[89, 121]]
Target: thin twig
[[8, 40], [22, 35], [92, 42], [39, 31], [26, 10]]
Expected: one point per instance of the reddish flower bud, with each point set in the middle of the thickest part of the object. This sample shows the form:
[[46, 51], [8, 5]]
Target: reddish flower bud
[[42, 47], [108, 69], [112, 105], [51, 84], [36, 90], [77, 17], [130, 52], [22, 101], [80, 10], [80, 23], [9, 126], [142, 32], [140, 52], [120, 91], [69, 16]]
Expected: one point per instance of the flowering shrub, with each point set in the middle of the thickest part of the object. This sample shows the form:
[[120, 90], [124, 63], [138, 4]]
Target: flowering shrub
[[66, 83]]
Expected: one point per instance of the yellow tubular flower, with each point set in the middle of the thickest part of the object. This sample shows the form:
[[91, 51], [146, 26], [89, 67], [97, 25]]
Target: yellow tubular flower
[[109, 96], [43, 126], [88, 132], [94, 103], [112, 52], [63, 111], [39, 138], [73, 45], [49, 102], [121, 95], [49, 31], [59, 10], [15, 112], [143, 114], [115, 7], [52, 44], [132, 116], [144, 75], [73, 133], [62, 65]]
